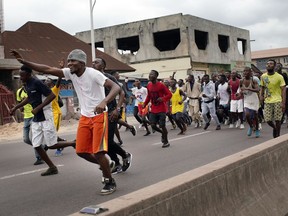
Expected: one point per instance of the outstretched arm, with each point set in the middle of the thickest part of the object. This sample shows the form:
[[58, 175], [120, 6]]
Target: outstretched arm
[[173, 75], [37, 67]]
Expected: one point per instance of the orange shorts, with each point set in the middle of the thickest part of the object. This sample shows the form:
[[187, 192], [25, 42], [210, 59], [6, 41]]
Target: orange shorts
[[92, 134]]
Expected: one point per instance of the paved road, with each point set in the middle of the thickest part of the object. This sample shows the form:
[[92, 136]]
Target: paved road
[[24, 192]]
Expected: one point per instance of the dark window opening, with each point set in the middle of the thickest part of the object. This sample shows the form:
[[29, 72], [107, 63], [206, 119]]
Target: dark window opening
[[99, 45], [242, 45], [167, 40], [201, 39], [129, 45], [223, 43]]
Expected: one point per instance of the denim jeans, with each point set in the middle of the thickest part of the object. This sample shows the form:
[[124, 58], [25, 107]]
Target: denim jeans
[[26, 138]]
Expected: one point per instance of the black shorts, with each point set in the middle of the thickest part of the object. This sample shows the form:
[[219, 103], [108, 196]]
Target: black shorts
[[158, 118]]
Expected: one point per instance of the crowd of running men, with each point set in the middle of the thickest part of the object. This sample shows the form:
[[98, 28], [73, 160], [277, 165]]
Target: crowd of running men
[[226, 98]]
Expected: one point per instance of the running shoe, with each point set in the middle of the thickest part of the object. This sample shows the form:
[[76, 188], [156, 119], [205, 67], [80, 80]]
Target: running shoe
[[38, 162], [257, 133], [50, 171], [109, 187], [206, 126], [133, 130], [58, 153], [117, 169], [127, 161], [165, 145], [147, 133]]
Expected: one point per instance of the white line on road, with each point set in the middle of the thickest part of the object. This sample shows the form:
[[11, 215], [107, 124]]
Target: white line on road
[[184, 137], [26, 173]]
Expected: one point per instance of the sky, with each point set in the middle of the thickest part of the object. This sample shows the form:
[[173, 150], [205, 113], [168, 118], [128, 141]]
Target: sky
[[265, 19]]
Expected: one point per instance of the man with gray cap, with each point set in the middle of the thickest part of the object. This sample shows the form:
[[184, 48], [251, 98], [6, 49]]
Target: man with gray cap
[[92, 133]]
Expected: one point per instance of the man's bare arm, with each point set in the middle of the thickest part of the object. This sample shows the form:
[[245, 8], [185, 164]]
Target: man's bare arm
[[114, 90], [37, 67], [58, 82], [121, 98], [47, 100], [19, 105]]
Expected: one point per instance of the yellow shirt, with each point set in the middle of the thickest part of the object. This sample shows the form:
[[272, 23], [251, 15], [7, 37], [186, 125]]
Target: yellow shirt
[[175, 99], [55, 106], [27, 108], [272, 85]]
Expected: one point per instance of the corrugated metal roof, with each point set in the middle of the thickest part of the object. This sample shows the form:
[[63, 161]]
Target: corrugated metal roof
[[269, 53], [45, 43]]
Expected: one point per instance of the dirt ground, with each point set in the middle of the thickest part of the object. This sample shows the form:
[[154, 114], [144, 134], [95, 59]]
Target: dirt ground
[[13, 131]]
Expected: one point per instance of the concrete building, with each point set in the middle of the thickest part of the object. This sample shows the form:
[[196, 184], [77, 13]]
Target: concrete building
[[182, 43], [259, 58]]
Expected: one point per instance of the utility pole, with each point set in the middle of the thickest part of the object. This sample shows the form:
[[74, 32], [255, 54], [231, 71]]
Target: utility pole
[[1, 29], [92, 30], [1, 17]]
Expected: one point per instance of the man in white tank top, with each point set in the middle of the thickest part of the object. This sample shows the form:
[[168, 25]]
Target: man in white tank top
[[249, 89]]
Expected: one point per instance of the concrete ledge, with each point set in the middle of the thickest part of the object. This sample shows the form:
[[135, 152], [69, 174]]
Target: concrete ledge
[[250, 183]]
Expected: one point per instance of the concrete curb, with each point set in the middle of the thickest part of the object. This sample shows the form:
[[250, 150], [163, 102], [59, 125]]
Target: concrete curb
[[251, 182]]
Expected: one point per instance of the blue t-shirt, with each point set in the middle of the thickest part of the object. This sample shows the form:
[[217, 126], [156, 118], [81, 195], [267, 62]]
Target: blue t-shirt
[[36, 89]]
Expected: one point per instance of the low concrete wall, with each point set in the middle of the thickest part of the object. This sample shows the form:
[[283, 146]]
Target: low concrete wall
[[251, 182]]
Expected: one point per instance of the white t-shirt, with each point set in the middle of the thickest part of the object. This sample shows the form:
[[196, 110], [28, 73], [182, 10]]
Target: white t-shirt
[[140, 94], [223, 94], [89, 88]]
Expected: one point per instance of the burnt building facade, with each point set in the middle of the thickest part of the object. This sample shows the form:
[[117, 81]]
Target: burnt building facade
[[182, 43]]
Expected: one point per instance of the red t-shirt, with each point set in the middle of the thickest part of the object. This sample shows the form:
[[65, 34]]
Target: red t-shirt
[[234, 86], [155, 91]]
